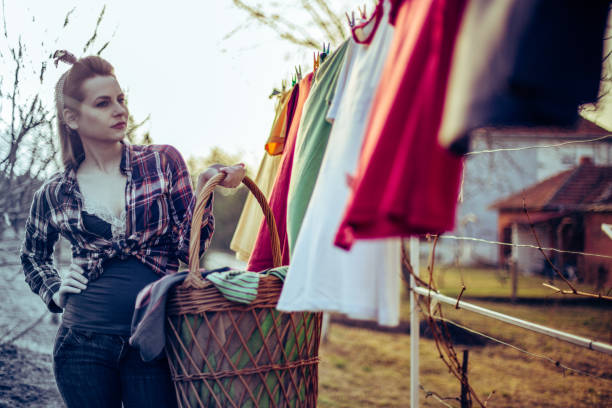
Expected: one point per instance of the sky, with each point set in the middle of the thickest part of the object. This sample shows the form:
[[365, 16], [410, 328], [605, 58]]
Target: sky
[[177, 62]]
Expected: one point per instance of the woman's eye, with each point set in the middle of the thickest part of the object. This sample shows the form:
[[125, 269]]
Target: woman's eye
[[121, 101], [101, 104]]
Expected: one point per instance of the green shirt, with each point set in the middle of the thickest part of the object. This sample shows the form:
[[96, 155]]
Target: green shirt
[[312, 140]]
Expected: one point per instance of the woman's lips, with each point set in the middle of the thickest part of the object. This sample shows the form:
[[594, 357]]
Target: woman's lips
[[119, 126]]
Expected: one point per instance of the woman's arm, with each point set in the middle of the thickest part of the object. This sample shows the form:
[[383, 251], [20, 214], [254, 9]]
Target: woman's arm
[[182, 204], [37, 250]]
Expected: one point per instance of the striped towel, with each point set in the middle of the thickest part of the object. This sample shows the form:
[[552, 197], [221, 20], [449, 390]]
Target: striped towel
[[241, 286], [148, 328]]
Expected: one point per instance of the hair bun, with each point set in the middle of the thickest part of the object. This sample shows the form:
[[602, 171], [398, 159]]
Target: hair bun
[[65, 56]]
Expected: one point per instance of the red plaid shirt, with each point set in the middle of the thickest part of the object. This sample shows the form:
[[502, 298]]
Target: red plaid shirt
[[159, 201]]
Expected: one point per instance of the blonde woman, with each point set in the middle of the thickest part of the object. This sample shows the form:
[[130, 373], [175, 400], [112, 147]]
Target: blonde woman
[[126, 211]]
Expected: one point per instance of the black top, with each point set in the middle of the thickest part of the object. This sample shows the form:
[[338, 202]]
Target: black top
[[107, 304]]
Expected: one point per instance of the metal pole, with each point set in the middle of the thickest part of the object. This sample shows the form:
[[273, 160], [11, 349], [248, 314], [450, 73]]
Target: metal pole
[[414, 326], [557, 334]]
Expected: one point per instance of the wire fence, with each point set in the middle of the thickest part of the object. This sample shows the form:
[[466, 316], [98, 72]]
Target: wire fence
[[426, 300]]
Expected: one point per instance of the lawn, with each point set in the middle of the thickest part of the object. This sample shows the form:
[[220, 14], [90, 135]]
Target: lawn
[[481, 282], [370, 368]]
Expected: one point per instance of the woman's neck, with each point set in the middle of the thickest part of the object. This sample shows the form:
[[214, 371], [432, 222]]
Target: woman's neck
[[104, 157]]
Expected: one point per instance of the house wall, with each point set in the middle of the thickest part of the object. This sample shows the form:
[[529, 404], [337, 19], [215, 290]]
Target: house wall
[[492, 176], [529, 260], [597, 242]]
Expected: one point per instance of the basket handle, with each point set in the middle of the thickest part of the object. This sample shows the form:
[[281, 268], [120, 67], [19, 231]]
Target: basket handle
[[194, 279]]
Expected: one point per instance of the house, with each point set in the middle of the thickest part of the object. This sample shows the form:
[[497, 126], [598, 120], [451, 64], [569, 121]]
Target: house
[[567, 211], [507, 160]]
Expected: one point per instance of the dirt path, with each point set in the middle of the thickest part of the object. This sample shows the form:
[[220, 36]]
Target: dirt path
[[26, 379]]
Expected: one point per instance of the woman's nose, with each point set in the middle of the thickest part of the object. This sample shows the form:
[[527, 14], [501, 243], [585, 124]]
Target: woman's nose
[[120, 110]]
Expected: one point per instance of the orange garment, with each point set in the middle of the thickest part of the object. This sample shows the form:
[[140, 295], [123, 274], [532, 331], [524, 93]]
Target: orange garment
[[252, 215], [276, 141]]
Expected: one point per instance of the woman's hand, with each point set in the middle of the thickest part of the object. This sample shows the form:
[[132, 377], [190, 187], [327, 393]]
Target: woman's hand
[[73, 282], [233, 175]]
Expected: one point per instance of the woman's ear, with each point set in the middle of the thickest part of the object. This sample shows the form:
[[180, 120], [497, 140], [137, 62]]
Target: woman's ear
[[71, 118]]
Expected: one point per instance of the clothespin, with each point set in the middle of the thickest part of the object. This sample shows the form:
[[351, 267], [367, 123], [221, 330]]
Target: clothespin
[[363, 13], [298, 73], [315, 61], [274, 93], [325, 53], [293, 80], [284, 85], [351, 20]]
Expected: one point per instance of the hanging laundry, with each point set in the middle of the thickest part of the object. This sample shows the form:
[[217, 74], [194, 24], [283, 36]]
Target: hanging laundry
[[405, 183], [363, 283], [261, 256], [251, 216], [523, 62], [312, 139], [276, 140]]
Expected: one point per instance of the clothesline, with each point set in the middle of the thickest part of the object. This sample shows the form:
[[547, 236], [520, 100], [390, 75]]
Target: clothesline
[[357, 115], [513, 149], [520, 245]]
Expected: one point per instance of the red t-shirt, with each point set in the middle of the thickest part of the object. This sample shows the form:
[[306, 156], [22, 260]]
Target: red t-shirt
[[405, 183]]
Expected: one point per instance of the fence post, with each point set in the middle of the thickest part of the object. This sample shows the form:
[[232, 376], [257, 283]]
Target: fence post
[[514, 279], [465, 395], [514, 262], [414, 326]]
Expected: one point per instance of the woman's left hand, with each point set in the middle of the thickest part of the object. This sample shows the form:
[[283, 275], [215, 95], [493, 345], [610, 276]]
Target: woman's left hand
[[233, 175]]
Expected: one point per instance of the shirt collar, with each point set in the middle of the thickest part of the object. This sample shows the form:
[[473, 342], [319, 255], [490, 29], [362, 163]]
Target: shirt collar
[[69, 177]]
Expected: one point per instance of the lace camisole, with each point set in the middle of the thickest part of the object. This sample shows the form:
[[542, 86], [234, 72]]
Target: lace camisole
[[107, 304]]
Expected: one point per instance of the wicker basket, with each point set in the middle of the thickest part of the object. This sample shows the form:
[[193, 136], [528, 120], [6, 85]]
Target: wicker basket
[[228, 354]]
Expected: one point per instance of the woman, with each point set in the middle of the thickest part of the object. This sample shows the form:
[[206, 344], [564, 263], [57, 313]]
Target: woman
[[126, 211]]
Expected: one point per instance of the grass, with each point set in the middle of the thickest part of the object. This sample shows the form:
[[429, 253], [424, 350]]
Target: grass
[[361, 368], [368, 368], [480, 282]]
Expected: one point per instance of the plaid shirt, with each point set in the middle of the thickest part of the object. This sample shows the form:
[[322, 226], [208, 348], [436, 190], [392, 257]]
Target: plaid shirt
[[160, 203]]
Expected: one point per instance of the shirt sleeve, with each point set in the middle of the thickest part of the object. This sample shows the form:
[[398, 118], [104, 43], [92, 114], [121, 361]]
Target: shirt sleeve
[[182, 205], [37, 249]]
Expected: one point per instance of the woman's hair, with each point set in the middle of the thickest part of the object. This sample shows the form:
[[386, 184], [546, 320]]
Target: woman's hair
[[69, 94]]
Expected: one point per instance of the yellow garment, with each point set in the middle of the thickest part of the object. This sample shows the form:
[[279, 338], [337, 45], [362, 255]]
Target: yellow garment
[[252, 215]]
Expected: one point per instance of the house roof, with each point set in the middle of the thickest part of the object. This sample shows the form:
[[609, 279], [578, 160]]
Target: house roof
[[584, 188]]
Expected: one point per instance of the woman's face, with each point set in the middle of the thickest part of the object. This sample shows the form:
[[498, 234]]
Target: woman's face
[[103, 115]]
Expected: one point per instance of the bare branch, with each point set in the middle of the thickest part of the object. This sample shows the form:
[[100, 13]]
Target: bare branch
[[103, 48], [95, 33], [4, 21], [67, 18], [334, 18], [276, 23], [535, 235], [317, 18]]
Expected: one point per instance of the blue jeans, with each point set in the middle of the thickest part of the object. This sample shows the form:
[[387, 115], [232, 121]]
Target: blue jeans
[[102, 370]]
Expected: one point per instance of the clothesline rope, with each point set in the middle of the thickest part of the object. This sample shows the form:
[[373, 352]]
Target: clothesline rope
[[514, 149], [520, 245]]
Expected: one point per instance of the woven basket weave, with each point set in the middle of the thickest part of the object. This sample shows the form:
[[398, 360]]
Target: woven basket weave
[[228, 354]]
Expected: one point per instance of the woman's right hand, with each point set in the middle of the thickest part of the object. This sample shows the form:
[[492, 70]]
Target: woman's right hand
[[73, 282]]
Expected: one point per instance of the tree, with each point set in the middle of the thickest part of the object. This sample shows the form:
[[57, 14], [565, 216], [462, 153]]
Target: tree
[[326, 25], [216, 155], [132, 131], [29, 147], [228, 202]]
